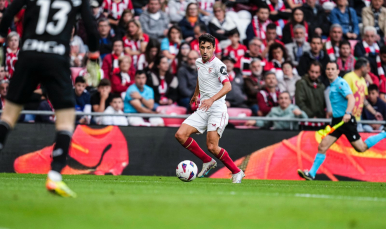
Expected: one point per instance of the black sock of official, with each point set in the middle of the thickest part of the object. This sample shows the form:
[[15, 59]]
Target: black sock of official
[[4, 130], [60, 152]]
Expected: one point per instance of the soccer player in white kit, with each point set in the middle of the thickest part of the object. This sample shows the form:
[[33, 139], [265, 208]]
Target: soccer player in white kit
[[212, 85]]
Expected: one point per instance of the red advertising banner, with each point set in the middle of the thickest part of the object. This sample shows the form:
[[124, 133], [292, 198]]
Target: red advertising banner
[[282, 160]]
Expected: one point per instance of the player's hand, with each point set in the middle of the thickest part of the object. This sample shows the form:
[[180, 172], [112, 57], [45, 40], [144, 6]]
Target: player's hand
[[346, 118], [378, 116], [193, 100], [297, 112], [206, 104]]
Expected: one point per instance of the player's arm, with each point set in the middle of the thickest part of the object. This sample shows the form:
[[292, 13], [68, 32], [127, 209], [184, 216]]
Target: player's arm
[[195, 95], [8, 17], [91, 30], [350, 106], [371, 109], [206, 104]]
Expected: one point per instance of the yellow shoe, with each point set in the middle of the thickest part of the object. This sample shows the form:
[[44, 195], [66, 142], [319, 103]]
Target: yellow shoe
[[59, 188]]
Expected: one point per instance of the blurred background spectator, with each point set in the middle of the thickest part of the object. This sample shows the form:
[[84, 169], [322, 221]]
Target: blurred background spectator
[[378, 105], [12, 53], [102, 98], [268, 95], [298, 46], [187, 79], [154, 22], [288, 82], [135, 40], [116, 107], [221, 25], [122, 79]]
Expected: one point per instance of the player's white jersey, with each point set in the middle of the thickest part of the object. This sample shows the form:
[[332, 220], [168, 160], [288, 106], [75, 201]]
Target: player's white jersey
[[211, 76]]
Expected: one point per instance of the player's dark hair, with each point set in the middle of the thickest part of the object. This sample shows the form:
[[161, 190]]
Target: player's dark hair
[[233, 32], [206, 37], [382, 50], [202, 27], [317, 63], [373, 87], [104, 82], [317, 37], [153, 43], [330, 62], [361, 62], [276, 46], [80, 79], [140, 72], [170, 32], [271, 26], [344, 42], [269, 73]]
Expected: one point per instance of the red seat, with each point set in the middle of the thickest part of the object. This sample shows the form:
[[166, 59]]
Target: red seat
[[172, 110], [238, 112], [75, 72], [352, 43]]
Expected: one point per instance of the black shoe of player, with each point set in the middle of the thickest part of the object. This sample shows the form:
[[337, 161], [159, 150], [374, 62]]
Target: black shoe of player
[[305, 174]]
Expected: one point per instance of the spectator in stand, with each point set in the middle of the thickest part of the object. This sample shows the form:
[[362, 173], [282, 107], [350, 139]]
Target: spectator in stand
[[346, 60], [113, 10], [369, 48], [102, 98], [221, 24], [135, 40], [116, 107], [77, 50], [105, 41], [253, 83], [3, 5], [382, 83], [299, 46], [235, 50], [316, 53], [378, 105], [97, 13], [146, 60], [12, 54], [236, 97], [267, 96], [92, 73], [139, 6], [170, 46], [258, 25], [253, 53], [289, 79], [279, 12], [154, 22], [356, 81], [190, 21], [177, 9], [187, 80], [316, 18], [297, 18], [182, 56], [110, 62], [206, 9], [139, 98], [277, 55], [346, 16], [309, 94], [121, 80], [82, 99], [284, 110], [375, 15], [163, 83], [123, 24], [194, 45], [332, 45], [3, 92], [271, 36], [3, 73]]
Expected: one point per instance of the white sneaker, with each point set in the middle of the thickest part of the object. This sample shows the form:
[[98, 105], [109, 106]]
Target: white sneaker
[[206, 167], [236, 178]]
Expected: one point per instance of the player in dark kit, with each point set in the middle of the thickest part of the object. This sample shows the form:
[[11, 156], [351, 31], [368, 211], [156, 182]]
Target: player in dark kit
[[44, 59]]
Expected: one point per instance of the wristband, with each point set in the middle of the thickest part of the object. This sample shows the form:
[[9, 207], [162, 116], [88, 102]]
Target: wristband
[[349, 113]]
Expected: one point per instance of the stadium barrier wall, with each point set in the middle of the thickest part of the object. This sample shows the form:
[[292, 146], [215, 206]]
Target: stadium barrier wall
[[263, 154]]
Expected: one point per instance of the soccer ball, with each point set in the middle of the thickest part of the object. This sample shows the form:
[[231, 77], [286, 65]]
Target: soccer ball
[[186, 170]]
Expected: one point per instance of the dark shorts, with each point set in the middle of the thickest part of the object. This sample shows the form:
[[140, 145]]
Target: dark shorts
[[51, 71], [349, 129]]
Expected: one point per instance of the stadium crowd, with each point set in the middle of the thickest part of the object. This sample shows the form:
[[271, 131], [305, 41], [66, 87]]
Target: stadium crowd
[[275, 51]]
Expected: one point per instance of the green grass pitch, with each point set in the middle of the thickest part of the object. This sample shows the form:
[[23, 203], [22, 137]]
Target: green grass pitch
[[166, 202]]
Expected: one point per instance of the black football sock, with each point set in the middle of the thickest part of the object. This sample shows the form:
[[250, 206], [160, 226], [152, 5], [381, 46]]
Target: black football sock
[[60, 152], [4, 130]]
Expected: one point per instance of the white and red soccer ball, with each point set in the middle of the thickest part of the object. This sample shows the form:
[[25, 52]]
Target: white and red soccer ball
[[186, 170]]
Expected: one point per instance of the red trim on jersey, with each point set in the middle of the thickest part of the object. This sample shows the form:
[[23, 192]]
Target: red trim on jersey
[[224, 81], [210, 59]]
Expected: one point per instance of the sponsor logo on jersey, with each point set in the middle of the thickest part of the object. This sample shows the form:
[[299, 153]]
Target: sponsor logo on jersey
[[223, 70], [210, 70], [44, 46]]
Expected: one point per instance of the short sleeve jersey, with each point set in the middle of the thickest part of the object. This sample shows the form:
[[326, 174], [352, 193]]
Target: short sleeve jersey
[[147, 93], [211, 76], [339, 89], [358, 87]]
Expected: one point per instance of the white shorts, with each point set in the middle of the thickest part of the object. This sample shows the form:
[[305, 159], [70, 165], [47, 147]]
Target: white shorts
[[215, 119]]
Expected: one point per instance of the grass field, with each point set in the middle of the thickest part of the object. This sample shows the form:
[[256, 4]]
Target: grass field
[[166, 202]]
